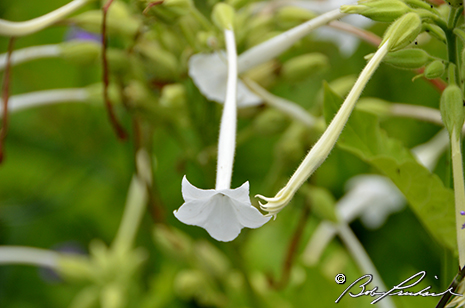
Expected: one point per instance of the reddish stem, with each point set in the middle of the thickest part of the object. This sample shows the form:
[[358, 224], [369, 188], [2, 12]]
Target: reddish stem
[[151, 4], [121, 133], [5, 97]]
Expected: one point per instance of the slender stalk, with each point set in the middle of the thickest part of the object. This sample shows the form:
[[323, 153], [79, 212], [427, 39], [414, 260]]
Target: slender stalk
[[15, 29], [363, 260], [275, 46], [324, 145], [132, 216], [29, 256], [5, 97], [105, 76], [30, 53], [227, 139], [47, 97], [290, 108], [459, 193]]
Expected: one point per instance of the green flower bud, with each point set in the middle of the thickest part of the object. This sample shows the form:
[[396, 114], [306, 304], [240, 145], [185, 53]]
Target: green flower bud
[[452, 110], [189, 282], [322, 202], [435, 31], [173, 96], [118, 60], [435, 69], [270, 122], [291, 16], [137, 93], [403, 31], [407, 58], [112, 296], [173, 241], [180, 7], [165, 64], [96, 93], [419, 4], [119, 21], [301, 67], [455, 3], [81, 52], [290, 147], [237, 4], [223, 16], [378, 10], [75, 267]]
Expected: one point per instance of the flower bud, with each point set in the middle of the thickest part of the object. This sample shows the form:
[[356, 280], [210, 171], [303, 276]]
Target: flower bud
[[173, 96], [378, 10], [118, 60], [237, 4], [321, 202], [165, 64], [180, 7], [223, 16], [75, 267], [291, 16], [455, 3], [434, 70], [119, 21], [301, 67], [403, 31], [112, 296], [435, 31], [407, 58], [270, 122], [81, 52], [452, 110]]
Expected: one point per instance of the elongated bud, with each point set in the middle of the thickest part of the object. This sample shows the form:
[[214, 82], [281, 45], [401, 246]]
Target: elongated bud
[[378, 10], [291, 16], [419, 4], [435, 69], [81, 52], [455, 3], [173, 96], [270, 122], [403, 31], [451, 106], [407, 58], [223, 16], [300, 67]]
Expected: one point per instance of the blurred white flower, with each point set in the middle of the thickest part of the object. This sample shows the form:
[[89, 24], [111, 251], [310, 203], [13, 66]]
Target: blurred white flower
[[223, 213]]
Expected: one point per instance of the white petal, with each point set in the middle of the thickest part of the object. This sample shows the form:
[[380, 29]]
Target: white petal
[[222, 213], [190, 192], [208, 71]]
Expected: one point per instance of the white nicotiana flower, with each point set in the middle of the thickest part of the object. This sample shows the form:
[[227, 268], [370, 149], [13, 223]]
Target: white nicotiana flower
[[372, 198], [222, 211], [209, 71]]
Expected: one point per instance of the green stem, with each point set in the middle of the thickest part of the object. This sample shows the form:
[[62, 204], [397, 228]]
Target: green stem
[[201, 18], [459, 192]]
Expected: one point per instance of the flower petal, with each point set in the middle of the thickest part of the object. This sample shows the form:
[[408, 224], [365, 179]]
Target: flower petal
[[208, 71], [190, 192]]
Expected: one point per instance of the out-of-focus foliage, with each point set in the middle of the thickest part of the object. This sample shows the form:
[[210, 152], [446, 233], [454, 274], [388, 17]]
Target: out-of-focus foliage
[[65, 177]]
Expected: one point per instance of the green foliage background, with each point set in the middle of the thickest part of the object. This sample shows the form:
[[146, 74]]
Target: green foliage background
[[65, 179]]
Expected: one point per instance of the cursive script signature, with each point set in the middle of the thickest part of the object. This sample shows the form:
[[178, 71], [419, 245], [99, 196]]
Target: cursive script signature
[[399, 290]]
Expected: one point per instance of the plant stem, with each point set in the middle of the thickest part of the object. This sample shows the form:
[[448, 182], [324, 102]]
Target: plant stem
[[10, 28], [227, 139], [5, 97], [363, 260], [28, 255], [30, 53], [459, 193]]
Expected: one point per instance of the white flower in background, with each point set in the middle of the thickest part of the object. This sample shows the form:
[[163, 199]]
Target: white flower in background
[[209, 71], [222, 211], [372, 198]]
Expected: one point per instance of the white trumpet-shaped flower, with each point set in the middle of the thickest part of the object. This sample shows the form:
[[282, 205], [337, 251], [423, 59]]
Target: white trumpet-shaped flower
[[222, 211]]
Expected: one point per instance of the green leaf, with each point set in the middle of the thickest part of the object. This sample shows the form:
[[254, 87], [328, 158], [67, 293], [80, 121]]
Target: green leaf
[[432, 203]]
